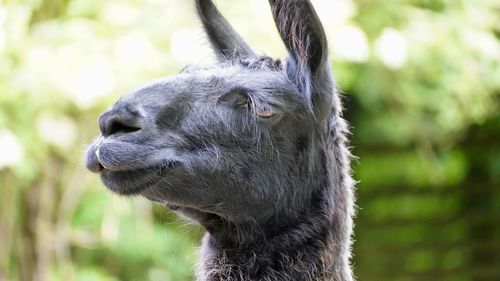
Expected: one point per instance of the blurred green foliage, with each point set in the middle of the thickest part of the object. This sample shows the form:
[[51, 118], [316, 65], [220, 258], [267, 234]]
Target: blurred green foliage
[[421, 80]]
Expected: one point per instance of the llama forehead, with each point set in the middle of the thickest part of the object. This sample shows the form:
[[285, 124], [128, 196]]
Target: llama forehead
[[220, 77], [207, 84]]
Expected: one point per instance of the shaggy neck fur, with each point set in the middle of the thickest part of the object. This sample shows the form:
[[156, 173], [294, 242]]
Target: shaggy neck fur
[[303, 252], [315, 247]]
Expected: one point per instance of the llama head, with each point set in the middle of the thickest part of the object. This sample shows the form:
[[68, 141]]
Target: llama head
[[241, 141]]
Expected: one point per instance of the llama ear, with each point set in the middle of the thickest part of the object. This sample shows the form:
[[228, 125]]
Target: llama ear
[[307, 65], [225, 41], [302, 33]]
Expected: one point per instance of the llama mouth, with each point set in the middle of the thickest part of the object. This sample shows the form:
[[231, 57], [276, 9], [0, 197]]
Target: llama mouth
[[125, 177], [135, 181]]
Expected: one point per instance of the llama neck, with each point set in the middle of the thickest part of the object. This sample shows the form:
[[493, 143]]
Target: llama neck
[[316, 247], [309, 250]]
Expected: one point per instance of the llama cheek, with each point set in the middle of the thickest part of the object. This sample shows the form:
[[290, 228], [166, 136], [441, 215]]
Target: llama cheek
[[170, 117]]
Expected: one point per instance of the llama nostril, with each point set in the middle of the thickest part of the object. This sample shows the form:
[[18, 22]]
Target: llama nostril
[[115, 124], [123, 118], [118, 126]]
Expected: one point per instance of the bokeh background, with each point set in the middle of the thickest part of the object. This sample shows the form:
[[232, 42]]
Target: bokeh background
[[421, 80]]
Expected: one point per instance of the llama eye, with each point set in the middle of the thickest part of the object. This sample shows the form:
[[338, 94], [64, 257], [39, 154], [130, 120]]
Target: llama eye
[[265, 114]]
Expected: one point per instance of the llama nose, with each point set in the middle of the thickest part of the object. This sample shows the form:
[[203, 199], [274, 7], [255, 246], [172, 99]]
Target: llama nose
[[119, 120]]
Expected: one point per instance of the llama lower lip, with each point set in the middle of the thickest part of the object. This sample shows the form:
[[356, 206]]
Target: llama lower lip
[[129, 182], [135, 181]]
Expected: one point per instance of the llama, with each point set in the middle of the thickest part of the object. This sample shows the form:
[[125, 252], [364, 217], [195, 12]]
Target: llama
[[252, 148]]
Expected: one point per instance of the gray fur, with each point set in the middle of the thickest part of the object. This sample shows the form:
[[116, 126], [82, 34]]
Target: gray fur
[[254, 149]]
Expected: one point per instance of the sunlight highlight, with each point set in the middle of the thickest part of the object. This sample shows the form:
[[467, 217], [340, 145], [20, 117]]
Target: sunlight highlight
[[60, 131], [391, 48], [3, 17], [11, 149], [92, 81], [119, 13], [188, 46], [351, 44], [135, 48], [335, 13]]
